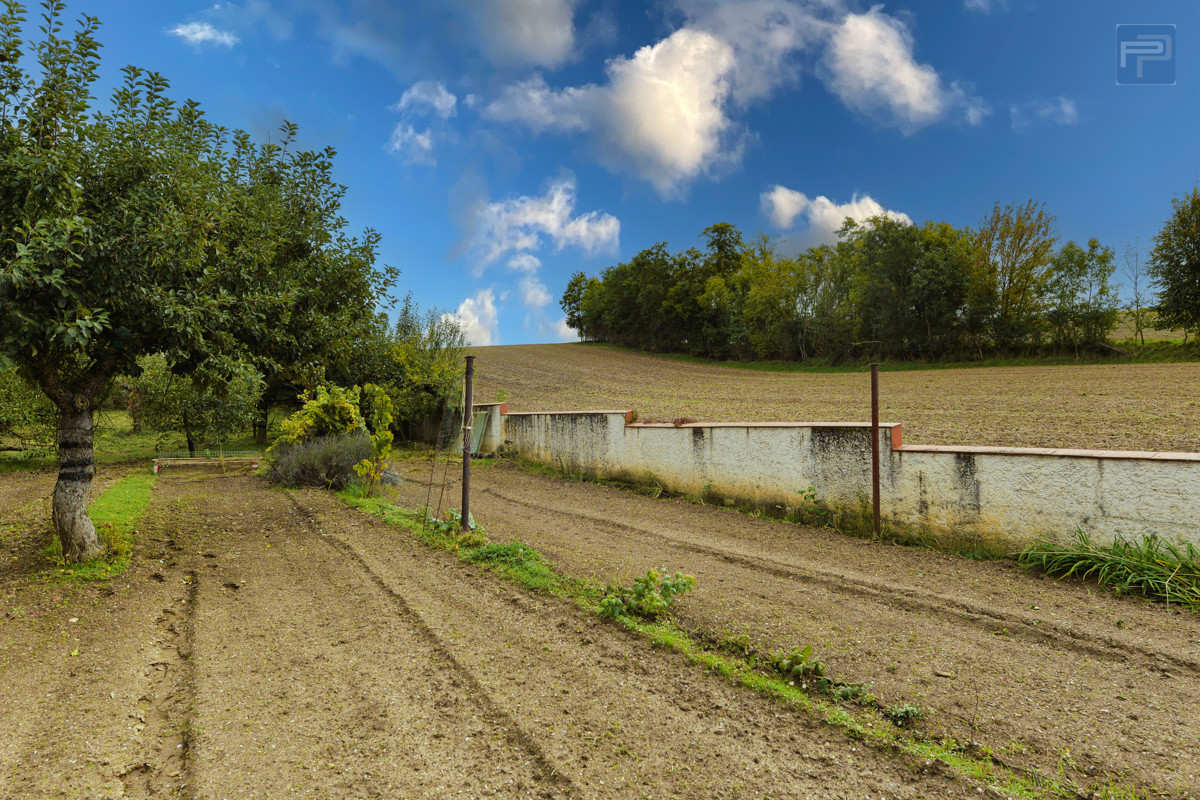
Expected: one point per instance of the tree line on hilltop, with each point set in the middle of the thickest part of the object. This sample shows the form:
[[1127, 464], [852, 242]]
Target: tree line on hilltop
[[888, 289]]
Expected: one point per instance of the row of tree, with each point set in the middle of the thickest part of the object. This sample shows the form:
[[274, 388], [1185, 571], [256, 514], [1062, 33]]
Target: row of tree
[[889, 289], [140, 242]]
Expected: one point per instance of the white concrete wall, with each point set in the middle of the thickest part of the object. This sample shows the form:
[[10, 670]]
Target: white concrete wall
[[493, 436], [1005, 496]]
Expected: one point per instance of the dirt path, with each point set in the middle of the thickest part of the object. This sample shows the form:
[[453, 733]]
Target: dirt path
[[1051, 676], [274, 645]]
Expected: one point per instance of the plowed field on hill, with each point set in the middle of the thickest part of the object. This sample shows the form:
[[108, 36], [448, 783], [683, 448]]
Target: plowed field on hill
[[1115, 407]]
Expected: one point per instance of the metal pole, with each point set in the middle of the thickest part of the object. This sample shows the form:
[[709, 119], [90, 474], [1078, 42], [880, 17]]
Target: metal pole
[[468, 409], [875, 449]]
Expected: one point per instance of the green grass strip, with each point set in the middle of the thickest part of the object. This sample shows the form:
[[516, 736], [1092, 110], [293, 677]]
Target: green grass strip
[[116, 515], [524, 566]]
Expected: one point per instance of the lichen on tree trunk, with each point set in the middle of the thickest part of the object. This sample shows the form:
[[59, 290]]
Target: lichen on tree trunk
[[76, 468]]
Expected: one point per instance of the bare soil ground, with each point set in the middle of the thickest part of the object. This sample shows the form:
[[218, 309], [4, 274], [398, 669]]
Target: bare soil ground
[[1051, 676], [1116, 407], [267, 644]]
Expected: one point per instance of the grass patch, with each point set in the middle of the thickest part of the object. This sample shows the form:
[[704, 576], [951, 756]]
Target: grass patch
[[1152, 568], [116, 515], [524, 566], [519, 564], [514, 561]]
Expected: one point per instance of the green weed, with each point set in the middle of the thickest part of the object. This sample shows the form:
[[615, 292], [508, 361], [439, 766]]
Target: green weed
[[518, 563], [1153, 567], [904, 715], [651, 595]]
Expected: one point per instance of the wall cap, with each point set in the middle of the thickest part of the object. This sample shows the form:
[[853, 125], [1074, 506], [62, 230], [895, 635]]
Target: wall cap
[[1063, 452], [564, 413], [867, 425]]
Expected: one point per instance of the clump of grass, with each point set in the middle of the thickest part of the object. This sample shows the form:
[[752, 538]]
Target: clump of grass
[[116, 515], [515, 561], [519, 563], [1153, 567]]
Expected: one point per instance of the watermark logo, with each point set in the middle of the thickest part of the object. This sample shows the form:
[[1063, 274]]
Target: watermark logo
[[1145, 54]]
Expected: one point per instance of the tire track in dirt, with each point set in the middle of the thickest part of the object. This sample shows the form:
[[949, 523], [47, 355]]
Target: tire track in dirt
[[624, 719], [900, 597], [493, 712], [1044, 704], [165, 715], [307, 678]]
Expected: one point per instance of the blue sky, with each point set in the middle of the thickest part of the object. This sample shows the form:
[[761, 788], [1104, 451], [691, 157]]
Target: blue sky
[[501, 145]]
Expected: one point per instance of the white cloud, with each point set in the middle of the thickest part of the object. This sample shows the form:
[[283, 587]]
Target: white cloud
[[665, 113], [661, 115], [478, 318], [564, 332], [423, 97], [524, 262], [537, 32], [784, 206], [534, 294], [764, 35], [411, 146], [519, 225], [535, 104], [974, 110], [1060, 111], [871, 68], [429, 95], [985, 6], [199, 34]]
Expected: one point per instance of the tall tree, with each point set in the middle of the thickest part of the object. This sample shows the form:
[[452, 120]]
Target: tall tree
[[1083, 309], [131, 231], [1139, 305], [1175, 264], [1013, 250], [572, 303]]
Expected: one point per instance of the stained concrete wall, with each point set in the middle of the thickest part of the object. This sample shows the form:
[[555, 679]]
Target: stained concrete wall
[[1005, 496]]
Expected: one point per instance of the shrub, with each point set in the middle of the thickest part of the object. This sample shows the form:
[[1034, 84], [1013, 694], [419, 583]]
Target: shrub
[[372, 468], [325, 461], [331, 411]]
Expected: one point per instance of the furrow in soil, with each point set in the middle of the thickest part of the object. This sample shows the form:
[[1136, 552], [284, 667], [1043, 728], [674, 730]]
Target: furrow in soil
[[547, 776], [1109, 691], [1026, 626], [308, 681], [618, 716]]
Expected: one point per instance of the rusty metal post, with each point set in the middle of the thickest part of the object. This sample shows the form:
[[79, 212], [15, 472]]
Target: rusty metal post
[[875, 450], [468, 414]]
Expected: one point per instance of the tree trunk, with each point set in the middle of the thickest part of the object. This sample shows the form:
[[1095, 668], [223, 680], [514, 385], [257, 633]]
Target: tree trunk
[[260, 424], [76, 467], [187, 432]]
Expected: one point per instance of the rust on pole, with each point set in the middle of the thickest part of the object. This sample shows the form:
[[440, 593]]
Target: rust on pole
[[468, 413], [875, 450]]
